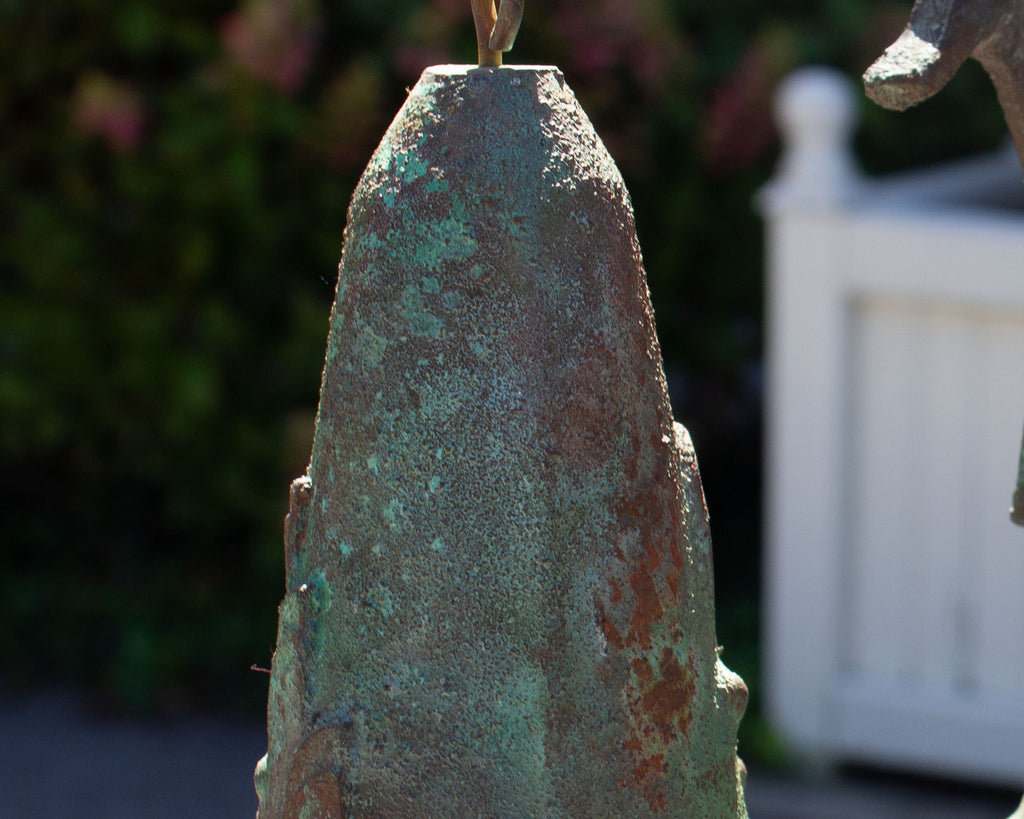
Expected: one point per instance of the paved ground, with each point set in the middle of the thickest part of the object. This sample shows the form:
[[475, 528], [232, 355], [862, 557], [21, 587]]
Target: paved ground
[[867, 795], [60, 761]]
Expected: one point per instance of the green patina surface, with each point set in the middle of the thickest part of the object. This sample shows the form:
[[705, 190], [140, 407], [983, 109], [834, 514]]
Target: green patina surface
[[500, 596]]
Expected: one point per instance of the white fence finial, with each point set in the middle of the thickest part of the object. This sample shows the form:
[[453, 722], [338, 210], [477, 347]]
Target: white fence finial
[[816, 113]]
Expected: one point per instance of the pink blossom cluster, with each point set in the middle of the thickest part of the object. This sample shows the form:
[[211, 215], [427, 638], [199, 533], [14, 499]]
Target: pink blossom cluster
[[608, 35], [109, 108], [274, 40]]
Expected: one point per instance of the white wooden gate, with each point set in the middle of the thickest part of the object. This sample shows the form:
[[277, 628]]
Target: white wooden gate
[[894, 597]]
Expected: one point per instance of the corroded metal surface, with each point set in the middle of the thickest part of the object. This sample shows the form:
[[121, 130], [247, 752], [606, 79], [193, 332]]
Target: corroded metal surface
[[499, 588], [942, 34]]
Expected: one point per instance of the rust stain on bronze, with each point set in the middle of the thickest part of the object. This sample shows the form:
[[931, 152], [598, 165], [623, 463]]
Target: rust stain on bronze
[[322, 750], [615, 595], [489, 564], [320, 797], [669, 699], [647, 609], [647, 773], [611, 634]]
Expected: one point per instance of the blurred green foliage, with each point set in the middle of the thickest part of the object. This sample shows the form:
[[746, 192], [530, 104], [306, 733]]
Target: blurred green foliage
[[174, 181]]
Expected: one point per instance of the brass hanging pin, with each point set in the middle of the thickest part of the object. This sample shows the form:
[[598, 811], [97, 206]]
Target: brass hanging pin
[[496, 28]]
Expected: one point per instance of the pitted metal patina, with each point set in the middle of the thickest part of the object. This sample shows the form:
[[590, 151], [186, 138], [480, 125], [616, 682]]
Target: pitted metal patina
[[499, 589], [942, 34]]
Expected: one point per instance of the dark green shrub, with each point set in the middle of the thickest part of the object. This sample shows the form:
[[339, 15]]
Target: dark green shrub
[[175, 177]]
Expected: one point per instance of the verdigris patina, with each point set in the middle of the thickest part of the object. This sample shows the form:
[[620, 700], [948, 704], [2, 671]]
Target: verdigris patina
[[499, 591]]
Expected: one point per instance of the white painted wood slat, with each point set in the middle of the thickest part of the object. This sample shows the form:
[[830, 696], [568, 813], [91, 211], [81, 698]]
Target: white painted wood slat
[[894, 587]]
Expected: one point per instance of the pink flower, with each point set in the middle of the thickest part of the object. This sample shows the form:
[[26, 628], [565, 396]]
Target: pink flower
[[274, 40], [737, 126], [606, 36], [109, 108]]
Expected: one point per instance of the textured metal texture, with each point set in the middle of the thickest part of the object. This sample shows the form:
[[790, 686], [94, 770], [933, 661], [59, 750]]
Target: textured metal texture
[[499, 580], [942, 34]]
